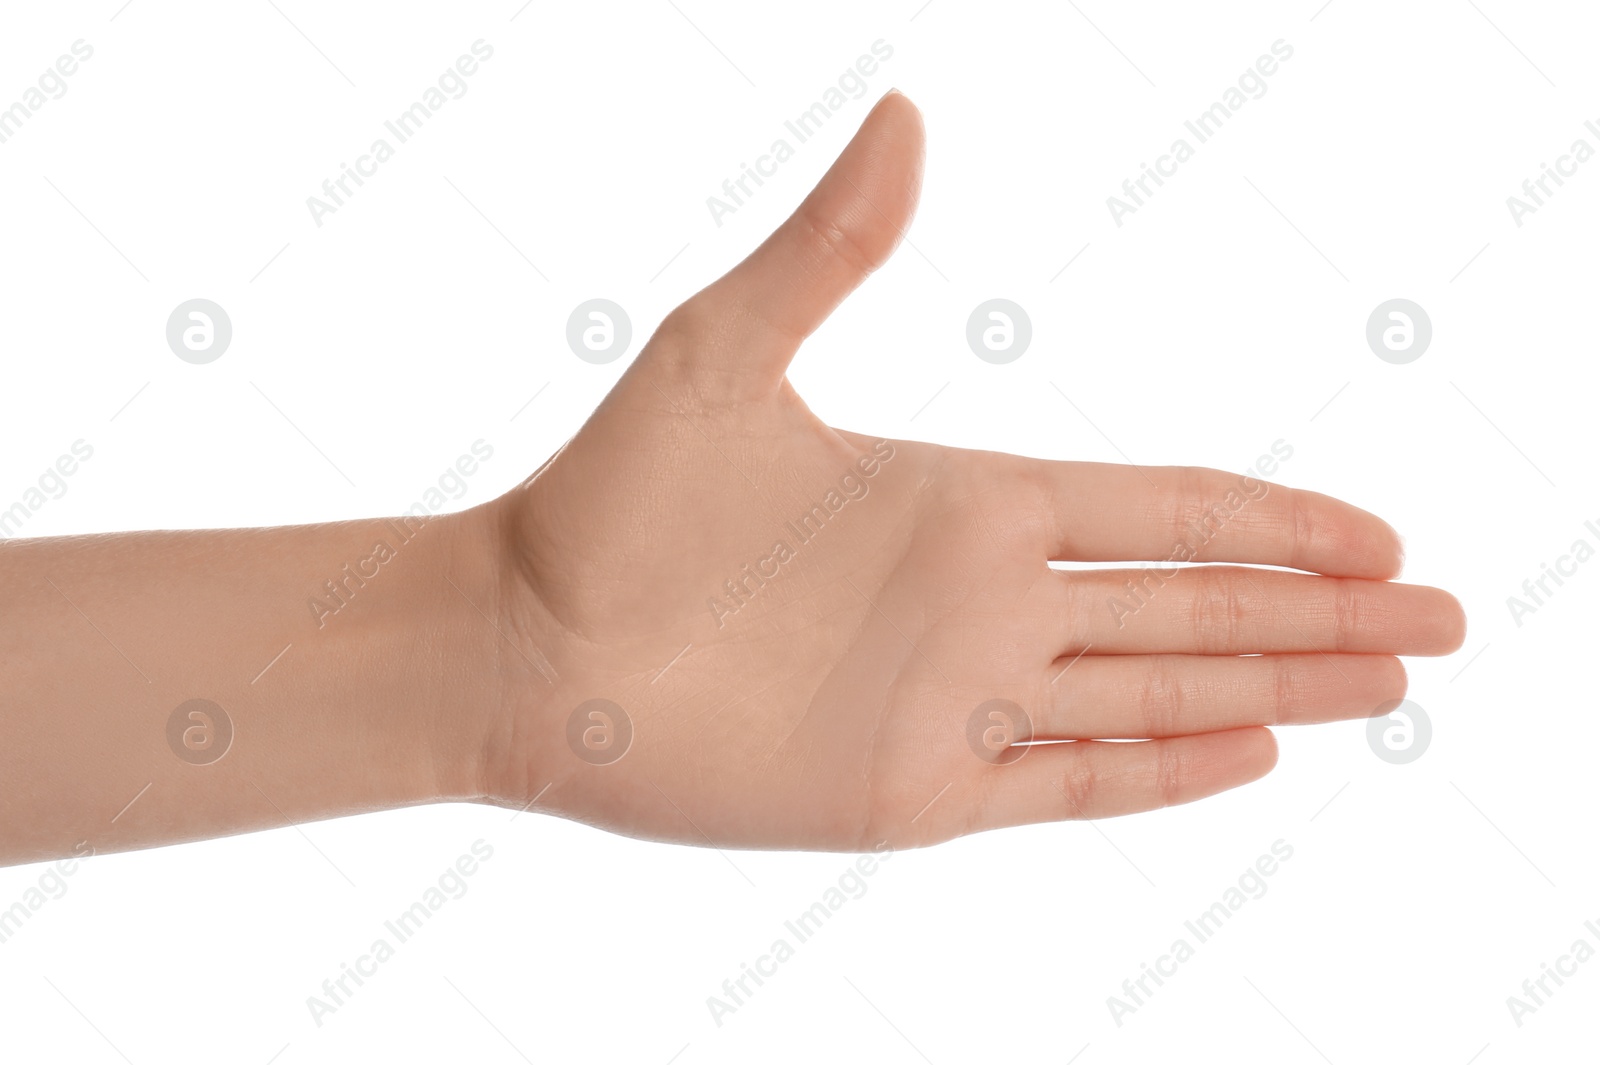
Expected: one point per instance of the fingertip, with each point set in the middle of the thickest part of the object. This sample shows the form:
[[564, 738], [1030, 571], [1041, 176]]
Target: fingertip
[[745, 327], [1396, 681], [1454, 623], [895, 127], [1437, 623], [1383, 549], [900, 100], [1340, 539], [1232, 757], [1260, 753], [1393, 551]]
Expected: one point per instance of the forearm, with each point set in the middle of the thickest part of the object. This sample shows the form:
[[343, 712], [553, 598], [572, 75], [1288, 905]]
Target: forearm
[[351, 683]]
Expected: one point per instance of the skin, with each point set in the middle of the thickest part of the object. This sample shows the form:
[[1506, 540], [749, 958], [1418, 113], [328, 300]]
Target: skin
[[833, 709]]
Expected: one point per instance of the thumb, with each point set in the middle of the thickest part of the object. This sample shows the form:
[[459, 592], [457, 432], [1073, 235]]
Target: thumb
[[746, 326]]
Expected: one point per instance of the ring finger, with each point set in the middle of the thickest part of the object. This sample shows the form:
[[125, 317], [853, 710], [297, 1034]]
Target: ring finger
[[1145, 696], [1233, 610]]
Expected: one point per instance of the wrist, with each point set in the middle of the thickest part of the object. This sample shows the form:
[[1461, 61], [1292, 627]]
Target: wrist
[[385, 697], [450, 664], [519, 748]]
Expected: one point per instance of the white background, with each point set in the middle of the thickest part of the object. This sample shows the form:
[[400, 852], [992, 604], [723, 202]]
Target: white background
[[1226, 314]]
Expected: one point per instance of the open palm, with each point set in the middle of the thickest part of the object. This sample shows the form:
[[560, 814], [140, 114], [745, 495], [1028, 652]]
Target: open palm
[[738, 626]]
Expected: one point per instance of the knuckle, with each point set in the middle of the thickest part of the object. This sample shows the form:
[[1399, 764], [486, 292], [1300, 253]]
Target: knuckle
[[1169, 774], [1298, 527], [1081, 785], [1346, 614], [834, 240], [1198, 511], [1188, 503], [682, 355], [1069, 608], [1289, 684], [687, 324], [1218, 612], [1161, 699], [682, 334]]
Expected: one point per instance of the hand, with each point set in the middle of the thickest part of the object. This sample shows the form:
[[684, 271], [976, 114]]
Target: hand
[[802, 625]]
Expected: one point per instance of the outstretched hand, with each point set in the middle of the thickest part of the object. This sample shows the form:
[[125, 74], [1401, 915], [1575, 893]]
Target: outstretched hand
[[729, 623]]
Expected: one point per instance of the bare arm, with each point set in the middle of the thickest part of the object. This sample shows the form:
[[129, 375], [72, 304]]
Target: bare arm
[[326, 702], [712, 618]]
